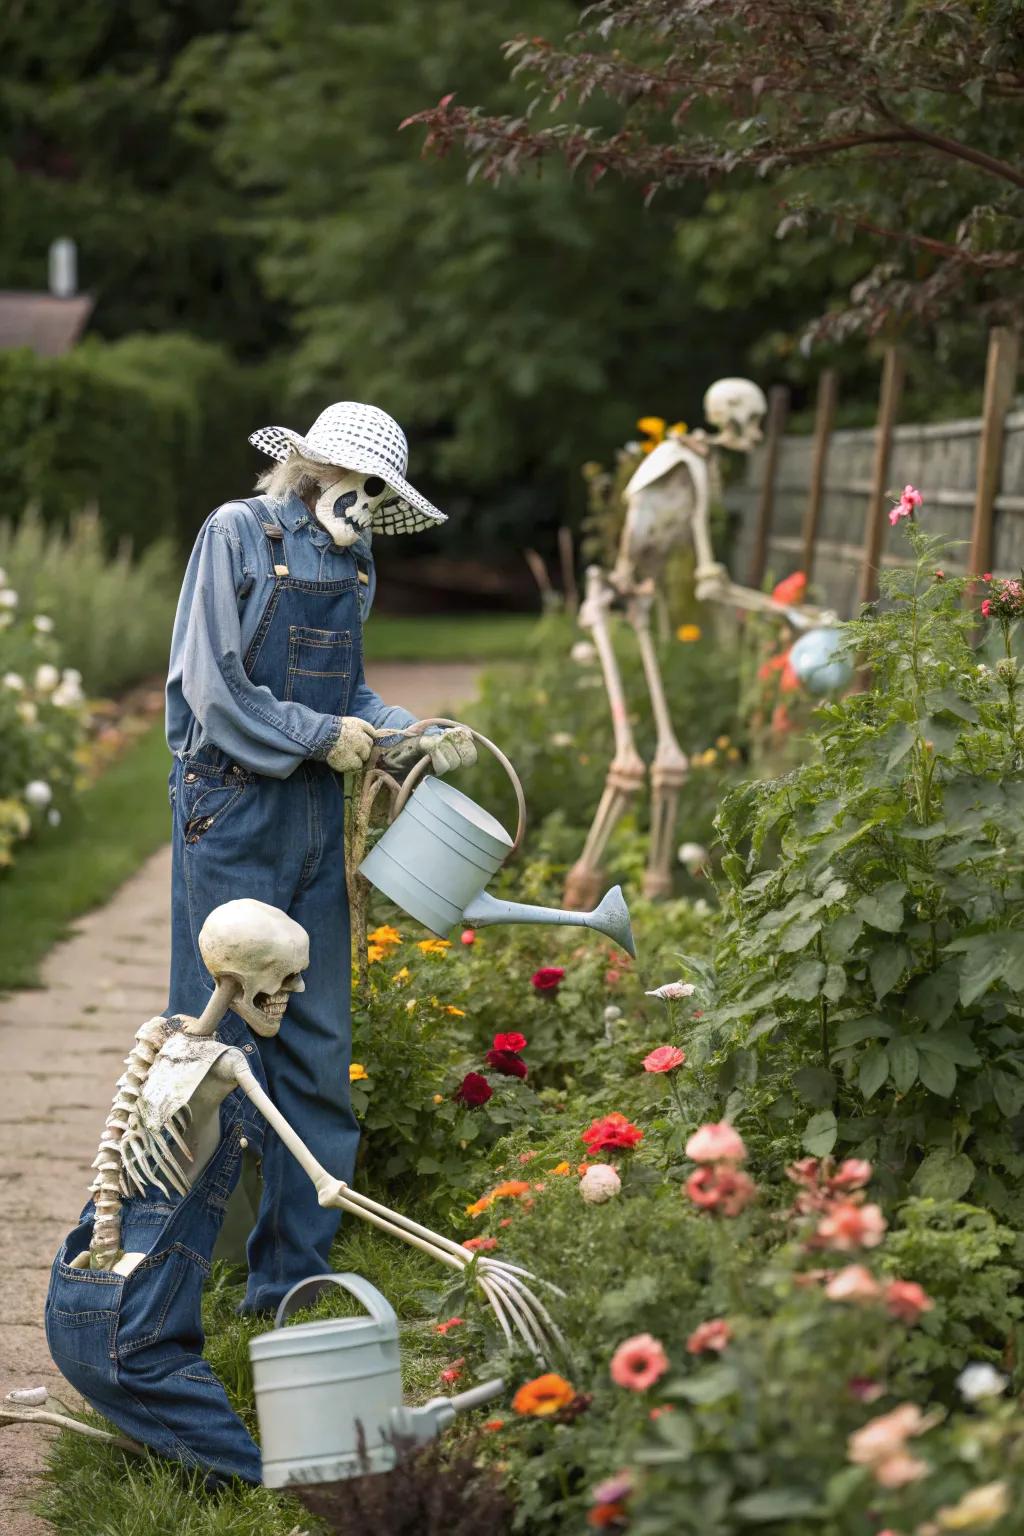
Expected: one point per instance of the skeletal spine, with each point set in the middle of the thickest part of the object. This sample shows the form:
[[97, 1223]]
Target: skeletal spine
[[114, 1179]]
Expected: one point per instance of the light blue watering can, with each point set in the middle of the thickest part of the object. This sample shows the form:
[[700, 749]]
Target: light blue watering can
[[329, 1393], [442, 849], [820, 660]]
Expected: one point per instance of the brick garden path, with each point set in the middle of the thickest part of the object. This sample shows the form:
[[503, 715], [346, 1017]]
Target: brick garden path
[[60, 1052]]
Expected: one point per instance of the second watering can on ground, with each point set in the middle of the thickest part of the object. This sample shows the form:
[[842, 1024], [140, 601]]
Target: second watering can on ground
[[442, 849]]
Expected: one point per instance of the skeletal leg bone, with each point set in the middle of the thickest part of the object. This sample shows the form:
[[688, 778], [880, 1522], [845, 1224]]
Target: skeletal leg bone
[[626, 773], [34, 1405], [670, 767]]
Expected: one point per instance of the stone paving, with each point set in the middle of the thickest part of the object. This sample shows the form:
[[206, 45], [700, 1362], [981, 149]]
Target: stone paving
[[61, 1049]]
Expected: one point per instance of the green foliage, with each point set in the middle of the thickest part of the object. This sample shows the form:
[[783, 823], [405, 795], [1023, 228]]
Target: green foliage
[[873, 898], [114, 612], [150, 429]]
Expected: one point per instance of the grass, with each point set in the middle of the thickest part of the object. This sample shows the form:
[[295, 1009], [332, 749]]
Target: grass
[[129, 1495], [468, 637], [104, 837]]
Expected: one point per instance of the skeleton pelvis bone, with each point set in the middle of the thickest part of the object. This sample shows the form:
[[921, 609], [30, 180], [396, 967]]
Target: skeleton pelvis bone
[[164, 1125]]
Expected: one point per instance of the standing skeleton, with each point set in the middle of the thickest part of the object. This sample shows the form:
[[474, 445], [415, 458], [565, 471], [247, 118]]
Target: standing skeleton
[[163, 1132], [668, 504]]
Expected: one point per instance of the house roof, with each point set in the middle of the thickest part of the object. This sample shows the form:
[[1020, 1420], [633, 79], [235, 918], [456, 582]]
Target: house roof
[[47, 324]]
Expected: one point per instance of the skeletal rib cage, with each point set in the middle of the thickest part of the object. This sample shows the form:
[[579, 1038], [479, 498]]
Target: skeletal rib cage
[[132, 1157]]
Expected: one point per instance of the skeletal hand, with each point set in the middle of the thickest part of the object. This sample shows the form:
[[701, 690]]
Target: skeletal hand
[[352, 745], [449, 749]]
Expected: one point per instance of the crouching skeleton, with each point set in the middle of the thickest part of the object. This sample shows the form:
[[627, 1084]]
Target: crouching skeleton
[[123, 1309], [668, 503]]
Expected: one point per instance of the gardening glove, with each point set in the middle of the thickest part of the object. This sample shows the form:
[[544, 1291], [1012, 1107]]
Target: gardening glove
[[453, 748], [352, 746]]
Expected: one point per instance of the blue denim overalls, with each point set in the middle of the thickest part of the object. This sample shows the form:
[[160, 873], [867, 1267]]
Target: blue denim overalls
[[132, 1345], [281, 840]]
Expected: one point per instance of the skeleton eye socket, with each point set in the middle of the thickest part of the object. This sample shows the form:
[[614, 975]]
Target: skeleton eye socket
[[373, 486]]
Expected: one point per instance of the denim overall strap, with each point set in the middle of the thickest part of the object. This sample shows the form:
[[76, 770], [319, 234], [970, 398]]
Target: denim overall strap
[[273, 533]]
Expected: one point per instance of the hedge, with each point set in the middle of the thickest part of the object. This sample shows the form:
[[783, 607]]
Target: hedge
[[151, 429]]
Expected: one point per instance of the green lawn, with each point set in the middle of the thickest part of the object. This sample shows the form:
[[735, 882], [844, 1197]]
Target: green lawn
[[103, 839], [444, 637]]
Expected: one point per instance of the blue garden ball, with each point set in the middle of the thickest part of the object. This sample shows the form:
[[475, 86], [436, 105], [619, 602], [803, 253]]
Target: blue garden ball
[[818, 662]]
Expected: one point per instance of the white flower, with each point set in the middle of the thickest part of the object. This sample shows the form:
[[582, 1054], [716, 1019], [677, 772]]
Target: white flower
[[43, 624], [583, 652], [673, 990], [72, 677], [980, 1380], [693, 855], [600, 1183], [68, 692], [14, 681], [612, 1014], [38, 794], [47, 677], [53, 816], [701, 908], [560, 739], [8, 598], [28, 714]]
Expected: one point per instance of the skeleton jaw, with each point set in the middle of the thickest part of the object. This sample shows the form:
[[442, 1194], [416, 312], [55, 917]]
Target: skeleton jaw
[[265, 1012]]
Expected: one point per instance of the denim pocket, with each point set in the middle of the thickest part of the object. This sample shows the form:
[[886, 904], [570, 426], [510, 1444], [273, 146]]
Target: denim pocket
[[149, 1296], [319, 668], [81, 1317], [204, 801]]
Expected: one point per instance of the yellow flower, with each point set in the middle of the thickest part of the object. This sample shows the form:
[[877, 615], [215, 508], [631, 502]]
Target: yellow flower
[[722, 742], [385, 934], [357, 1073], [479, 1206], [652, 426], [734, 754], [688, 633], [403, 974], [410, 1006], [456, 1013], [709, 758], [375, 952], [977, 1509], [561, 1168], [433, 946], [438, 1098], [678, 429]]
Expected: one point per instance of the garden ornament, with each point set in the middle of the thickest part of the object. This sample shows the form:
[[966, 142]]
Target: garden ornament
[[164, 1124], [329, 1392], [668, 503], [441, 850]]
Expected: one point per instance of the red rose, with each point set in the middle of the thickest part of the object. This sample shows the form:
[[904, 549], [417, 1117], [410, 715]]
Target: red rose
[[473, 1091], [513, 1041], [610, 1132], [547, 979], [507, 1063]]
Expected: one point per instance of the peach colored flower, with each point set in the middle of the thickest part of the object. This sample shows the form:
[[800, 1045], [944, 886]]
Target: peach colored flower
[[899, 1470], [978, 1508], [543, 1396], [854, 1283], [852, 1173], [884, 1440], [638, 1363], [721, 1188], [846, 1226], [664, 1058], [907, 1301], [716, 1143], [480, 1244], [712, 1335]]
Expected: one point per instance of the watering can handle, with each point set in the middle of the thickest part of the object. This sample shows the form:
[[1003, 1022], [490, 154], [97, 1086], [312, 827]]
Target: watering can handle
[[420, 768], [305, 1292]]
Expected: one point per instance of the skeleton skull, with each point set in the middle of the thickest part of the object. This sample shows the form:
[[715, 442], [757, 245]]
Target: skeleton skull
[[737, 408], [347, 505], [264, 951]]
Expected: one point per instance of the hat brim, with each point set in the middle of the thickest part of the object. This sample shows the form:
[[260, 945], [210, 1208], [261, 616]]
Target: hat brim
[[409, 514]]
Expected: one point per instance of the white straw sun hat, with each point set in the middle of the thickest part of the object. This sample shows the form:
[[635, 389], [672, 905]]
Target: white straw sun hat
[[368, 440]]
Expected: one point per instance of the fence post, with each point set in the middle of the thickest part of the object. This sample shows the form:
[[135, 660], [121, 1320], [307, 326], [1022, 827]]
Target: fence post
[[893, 372], [1000, 384], [778, 409], [824, 419]]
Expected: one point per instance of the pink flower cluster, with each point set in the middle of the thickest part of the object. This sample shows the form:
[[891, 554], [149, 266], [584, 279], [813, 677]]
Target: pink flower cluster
[[908, 503], [1005, 599], [719, 1185], [904, 1300], [881, 1446], [835, 1196]]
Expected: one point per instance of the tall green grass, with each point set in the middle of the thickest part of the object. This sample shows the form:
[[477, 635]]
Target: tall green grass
[[112, 613]]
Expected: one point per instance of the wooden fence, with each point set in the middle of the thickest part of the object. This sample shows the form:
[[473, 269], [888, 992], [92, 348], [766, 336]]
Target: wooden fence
[[818, 502]]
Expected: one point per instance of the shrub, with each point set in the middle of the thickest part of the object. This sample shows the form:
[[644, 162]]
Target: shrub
[[152, 429]]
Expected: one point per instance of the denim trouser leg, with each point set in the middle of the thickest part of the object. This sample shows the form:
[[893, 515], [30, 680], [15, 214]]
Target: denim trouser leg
[[282, 842], [132, 1345]]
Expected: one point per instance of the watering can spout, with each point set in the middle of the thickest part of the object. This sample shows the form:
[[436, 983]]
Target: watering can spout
[[611, 917]]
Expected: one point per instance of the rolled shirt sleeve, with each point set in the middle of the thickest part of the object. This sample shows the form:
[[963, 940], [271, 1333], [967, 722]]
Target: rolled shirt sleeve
[[265, 734]]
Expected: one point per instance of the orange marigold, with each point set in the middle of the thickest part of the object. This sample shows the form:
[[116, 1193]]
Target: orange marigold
[[543, 1396], [510, 1190]]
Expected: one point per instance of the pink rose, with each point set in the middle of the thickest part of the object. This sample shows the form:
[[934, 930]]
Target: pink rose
[[664, 1058], [907, 1301], [853, 1173], [713, 1335], [846, 1226], [638, 1363], [854, 1283], [717, 1143]]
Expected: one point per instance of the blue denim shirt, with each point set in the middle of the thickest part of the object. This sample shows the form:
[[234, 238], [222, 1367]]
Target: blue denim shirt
[[210, 700]]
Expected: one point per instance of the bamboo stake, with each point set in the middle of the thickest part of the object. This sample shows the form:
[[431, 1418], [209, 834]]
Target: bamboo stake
[[778, 409], [893, 374], [567, 556], [824, 420], [1000, 385]]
